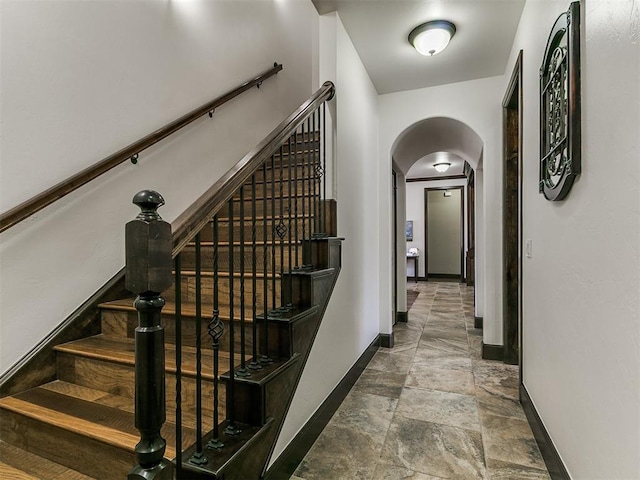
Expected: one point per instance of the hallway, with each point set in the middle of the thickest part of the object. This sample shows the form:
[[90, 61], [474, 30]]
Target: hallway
[[430, 408]]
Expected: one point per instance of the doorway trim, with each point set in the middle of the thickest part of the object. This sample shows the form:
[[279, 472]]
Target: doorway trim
[[512, 218], [426, 223]]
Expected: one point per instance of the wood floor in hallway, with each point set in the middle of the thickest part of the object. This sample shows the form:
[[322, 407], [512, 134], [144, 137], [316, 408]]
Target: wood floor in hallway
[[430, 408]]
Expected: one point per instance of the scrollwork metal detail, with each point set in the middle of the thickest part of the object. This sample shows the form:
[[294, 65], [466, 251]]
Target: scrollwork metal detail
[[560, 107]]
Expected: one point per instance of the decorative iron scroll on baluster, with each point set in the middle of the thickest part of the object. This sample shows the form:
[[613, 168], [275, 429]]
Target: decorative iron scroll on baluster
[[215, 329], [148, 274], [319, 170]]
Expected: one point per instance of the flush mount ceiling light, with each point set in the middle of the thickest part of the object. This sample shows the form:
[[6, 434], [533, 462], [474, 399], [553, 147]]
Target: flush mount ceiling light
[[442, 166], [432, 37]]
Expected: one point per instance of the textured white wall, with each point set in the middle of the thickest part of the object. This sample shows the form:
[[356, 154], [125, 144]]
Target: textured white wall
[[581, 301], [80, 80], [477, 104], [351, 322]]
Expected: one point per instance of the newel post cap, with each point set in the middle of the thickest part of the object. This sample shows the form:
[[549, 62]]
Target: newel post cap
[[148, 247]]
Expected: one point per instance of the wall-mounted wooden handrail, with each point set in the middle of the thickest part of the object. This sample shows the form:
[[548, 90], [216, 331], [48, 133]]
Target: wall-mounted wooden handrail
[[49, 196], [187, 225]]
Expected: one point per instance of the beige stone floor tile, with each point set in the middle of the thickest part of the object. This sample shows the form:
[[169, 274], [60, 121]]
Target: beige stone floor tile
[[340, 453], [387, 384], [445, 380], [498, 470], [510, 440], [389, 471], [430, 408], [434, 449], [445, 408]]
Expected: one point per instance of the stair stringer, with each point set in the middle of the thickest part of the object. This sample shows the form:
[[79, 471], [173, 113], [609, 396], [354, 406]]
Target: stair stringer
[[326, 253], [291, 336]]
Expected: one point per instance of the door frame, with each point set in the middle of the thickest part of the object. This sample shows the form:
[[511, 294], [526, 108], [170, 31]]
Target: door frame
[[426, 223], [512, 217], [394, 257], [470, 268]]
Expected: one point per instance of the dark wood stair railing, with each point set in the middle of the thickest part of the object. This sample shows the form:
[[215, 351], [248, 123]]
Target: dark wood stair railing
[[276, 302], [131, 152]]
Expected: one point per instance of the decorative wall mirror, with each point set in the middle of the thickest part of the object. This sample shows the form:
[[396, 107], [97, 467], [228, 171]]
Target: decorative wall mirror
[[560, 106]]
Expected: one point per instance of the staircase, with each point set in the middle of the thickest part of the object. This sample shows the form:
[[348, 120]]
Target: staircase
[[259, 269]]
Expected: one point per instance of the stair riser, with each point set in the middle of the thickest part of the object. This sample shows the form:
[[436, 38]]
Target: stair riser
[[123, 324], [304, 205], [119, 379], [303, 150], [303, 170], [299, 224], [281, 255], [86, 455], [188, 293], [273, 186]]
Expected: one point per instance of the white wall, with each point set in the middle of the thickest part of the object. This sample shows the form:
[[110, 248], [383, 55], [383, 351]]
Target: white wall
[[581, 302], [79, 81], [477, 104], [351, 321], [415, 212]]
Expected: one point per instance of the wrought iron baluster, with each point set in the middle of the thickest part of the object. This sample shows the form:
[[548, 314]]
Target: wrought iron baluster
[[308, 177], [198, 457], [295, 204], [254, 364], [312, 157], [304, 190], [242, 371], [215, 330], [281, 229], [178, 341], [324, 168], [265, 359], [273, 230], [293, 194], [231, 428]]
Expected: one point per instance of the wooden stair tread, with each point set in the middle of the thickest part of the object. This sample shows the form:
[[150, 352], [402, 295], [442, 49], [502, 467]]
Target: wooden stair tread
[[105, 424], [122, 350], [112, 400], [187, 309], [19, 464], [7, 471]]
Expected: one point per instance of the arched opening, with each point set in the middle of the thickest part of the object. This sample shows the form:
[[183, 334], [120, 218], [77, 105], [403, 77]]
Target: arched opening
[[414, 152]]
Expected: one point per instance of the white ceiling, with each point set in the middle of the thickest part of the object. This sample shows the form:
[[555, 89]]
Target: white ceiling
[[423, 168], [379, 31]]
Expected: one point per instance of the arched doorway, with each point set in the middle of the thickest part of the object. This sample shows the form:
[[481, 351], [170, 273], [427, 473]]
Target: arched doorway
[[422, 143]]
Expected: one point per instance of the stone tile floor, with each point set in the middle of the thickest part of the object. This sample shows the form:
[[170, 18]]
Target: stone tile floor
[[430, 408]]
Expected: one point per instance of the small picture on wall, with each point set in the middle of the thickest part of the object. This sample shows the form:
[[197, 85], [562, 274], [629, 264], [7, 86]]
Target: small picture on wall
[[409, 230]]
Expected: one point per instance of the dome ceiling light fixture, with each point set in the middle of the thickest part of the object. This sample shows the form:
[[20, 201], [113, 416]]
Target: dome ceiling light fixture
[[441, 167], [432, 37]]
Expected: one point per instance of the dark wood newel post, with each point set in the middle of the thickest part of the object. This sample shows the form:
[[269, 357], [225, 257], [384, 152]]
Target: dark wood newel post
[[148, 273]]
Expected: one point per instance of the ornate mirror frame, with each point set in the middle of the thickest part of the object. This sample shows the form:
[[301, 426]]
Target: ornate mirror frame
[[560, 106]]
